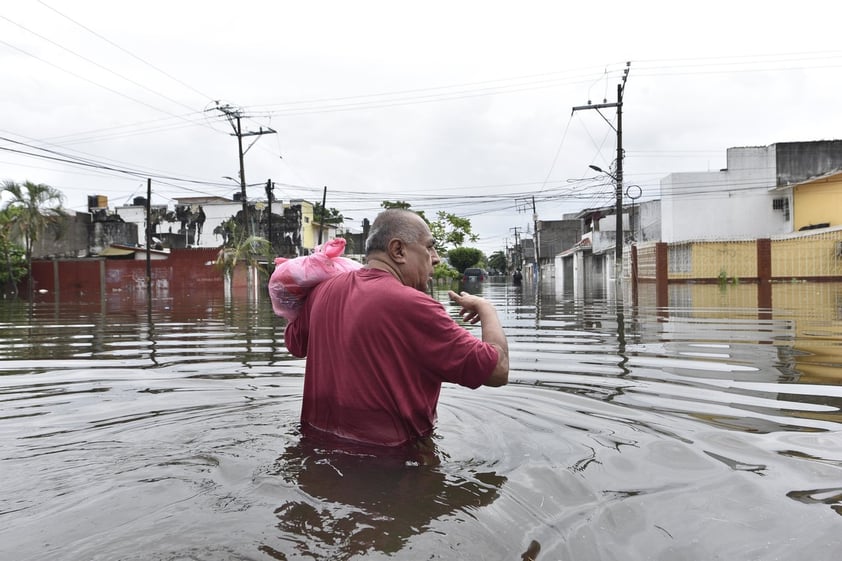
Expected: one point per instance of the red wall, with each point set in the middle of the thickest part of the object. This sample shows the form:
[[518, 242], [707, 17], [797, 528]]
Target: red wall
[[183, 272]]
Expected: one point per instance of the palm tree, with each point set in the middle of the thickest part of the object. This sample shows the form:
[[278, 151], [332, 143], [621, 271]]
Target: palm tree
[[13, 266], [37, 206], [240, 247]]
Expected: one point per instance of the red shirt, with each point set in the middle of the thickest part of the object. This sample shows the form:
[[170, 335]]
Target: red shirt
[[377, 352]]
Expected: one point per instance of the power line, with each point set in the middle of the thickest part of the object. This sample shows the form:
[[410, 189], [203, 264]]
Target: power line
[[131, 54], [88, 60], [97, 84]]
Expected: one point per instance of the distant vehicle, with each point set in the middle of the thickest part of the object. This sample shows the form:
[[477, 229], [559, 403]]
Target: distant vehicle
[[473, 274]]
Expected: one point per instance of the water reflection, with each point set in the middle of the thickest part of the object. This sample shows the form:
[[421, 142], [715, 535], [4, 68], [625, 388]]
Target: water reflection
[[358, 502], [168, 430]]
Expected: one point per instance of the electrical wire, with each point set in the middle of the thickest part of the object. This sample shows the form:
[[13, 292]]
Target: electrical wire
[[98, 65], [126, 51]]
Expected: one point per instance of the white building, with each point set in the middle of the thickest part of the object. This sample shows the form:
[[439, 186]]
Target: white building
[[216, 210], [738, 202]]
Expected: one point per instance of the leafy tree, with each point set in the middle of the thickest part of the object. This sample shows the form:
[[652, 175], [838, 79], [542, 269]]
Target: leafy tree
[[240, 247], [37, 206], [250, 249], [448, 229], [13, 266], [445, 271], [463, 257], [328, 216], [405, 206], [451, 230], [497, 261], [395, 204], [192, 219], [159, 215]]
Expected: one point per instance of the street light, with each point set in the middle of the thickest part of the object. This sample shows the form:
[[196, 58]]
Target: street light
[[618, 210]]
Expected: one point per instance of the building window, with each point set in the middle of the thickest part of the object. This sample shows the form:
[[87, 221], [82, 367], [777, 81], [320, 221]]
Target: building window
[[781, 204], [681, 258]]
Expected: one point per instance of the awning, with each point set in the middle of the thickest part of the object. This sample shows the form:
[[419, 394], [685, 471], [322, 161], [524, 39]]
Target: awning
[[112, 251]]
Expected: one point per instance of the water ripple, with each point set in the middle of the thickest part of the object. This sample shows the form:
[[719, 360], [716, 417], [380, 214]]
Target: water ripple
[[172, 434]]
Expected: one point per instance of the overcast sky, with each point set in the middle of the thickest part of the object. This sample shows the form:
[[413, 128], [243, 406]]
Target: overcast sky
[[447, 105]]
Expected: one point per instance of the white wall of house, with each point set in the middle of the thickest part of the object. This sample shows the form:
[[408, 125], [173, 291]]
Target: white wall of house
[[216, 212], [733, 203]]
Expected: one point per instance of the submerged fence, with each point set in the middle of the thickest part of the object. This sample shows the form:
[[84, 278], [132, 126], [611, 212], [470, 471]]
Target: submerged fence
[[803, 256]]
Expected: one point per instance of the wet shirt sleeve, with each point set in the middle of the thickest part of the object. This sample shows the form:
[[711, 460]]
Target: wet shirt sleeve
[[296, 334], [448, 351]]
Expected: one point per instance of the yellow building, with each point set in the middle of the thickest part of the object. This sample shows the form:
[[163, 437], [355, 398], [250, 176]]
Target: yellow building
[[817, 203], [310, 226]]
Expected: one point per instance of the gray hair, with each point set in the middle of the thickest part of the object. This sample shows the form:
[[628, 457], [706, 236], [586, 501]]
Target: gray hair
[[390, 224]]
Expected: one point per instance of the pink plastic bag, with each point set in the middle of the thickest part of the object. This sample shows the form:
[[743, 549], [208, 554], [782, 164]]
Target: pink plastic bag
[[293, 279]]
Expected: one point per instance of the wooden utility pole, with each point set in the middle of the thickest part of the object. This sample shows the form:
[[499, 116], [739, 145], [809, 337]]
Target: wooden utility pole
[[618, 175], [235, 117]]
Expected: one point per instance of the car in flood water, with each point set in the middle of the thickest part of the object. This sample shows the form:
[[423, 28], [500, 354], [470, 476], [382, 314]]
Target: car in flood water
[[474, 274]]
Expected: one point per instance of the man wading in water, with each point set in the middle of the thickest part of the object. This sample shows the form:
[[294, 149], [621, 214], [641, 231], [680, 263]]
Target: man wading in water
[[378, 347]]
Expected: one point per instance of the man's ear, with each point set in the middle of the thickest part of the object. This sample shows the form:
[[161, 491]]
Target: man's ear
[[397, 250]]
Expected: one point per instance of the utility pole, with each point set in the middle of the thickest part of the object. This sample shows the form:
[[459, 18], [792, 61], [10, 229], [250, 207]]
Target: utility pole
[[517, 247], [323, 214], [270, 194], [537, 239], [618, 175], [235, 117], [149, 239]]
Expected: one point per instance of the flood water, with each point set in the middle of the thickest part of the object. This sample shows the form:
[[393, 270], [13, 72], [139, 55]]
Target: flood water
[[706, 430]]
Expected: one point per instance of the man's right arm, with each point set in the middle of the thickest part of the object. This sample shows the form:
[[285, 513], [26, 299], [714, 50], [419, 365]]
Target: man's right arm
[[295, 337], [476, 309]]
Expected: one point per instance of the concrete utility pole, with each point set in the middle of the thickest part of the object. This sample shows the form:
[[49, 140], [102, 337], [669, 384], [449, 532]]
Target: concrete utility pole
[[517, 247], [323, 214], [235, 117], [149, 239], [270, 194], [537, 237], [618, 175]]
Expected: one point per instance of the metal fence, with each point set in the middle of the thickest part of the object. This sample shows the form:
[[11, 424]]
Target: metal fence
[[802, 255]]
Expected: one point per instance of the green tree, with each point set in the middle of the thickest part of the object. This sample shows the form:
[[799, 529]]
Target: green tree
[[463, 257], [450, 230], [396, 204], [497, 261], [444, 271], [239, 247], [405, 206], [13, 267], [36, 207], [328, 216]]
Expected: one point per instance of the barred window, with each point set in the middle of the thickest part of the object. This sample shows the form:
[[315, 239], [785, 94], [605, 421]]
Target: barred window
[[680, 258]]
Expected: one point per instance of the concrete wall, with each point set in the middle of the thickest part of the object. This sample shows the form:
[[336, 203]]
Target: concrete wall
[[800, 161], [813, 255], [103, 234], [186, 271], [218, 211], [556, 236], [215, 214], [818, 202], [647, 221], [68, 238], [727, 204]]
